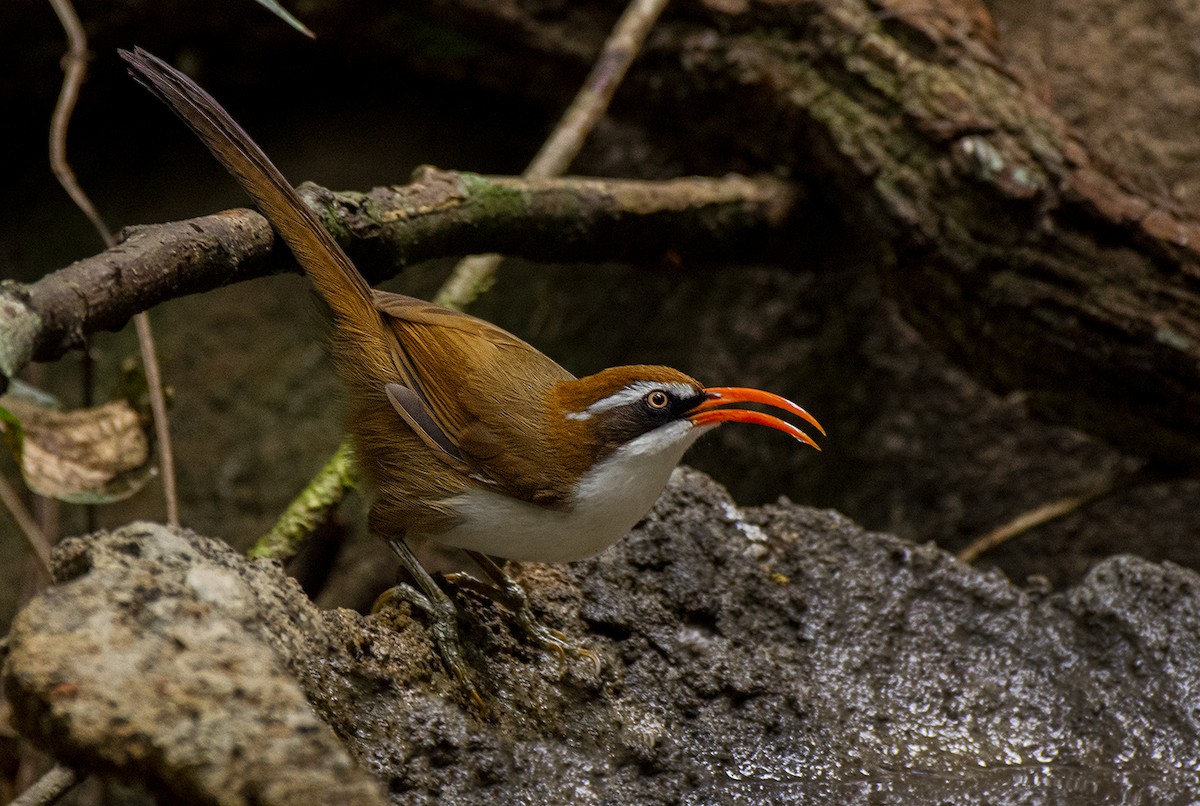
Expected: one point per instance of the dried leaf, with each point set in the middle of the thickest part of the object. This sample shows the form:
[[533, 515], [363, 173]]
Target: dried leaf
[[85, 456]]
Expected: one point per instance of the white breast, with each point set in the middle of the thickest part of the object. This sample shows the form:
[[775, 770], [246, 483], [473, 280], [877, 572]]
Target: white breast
[[612, 497]]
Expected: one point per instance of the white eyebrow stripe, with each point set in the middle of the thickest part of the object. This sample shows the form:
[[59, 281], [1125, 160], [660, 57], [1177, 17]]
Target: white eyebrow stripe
[[631, 394]]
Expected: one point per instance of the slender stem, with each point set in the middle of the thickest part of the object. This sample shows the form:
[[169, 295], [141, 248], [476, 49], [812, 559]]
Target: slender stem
[[1032, 519], [75, 69], [474, 275], [47, 512], [34, 536], [471, 279], [158, 406], [309, 508], [591, 102], [49, 788]]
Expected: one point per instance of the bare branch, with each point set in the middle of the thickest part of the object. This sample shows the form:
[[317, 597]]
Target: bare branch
[[34, 536], [590, 104], [74, 68], [49, 788], [442, 213], [158, 407], [1033, 519], [475, 274], [309, 508]]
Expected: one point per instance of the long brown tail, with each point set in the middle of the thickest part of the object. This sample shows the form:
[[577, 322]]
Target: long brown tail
[[332, 272]]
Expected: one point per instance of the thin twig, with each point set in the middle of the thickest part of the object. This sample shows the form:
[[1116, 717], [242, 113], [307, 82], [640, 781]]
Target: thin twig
[[75, 68], [471, 279], [309, 508], [1032, 519], [46, 511], [591, 102], [34, 536], [474, 275], [158, 406], [49, 788]]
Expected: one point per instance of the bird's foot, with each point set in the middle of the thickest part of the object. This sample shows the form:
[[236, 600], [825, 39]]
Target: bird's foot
[[514, 599], [443, 627]]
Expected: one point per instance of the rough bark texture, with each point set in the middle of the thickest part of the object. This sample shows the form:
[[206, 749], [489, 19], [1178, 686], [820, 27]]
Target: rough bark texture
[[441, 214], [748, 655], [1033, 264]]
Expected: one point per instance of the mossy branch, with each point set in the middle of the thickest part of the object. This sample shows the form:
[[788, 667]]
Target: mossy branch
[[440, 214], [309, 508]]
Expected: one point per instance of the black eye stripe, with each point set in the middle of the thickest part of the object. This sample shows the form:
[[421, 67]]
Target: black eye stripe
[[618, 425], [660, 402]]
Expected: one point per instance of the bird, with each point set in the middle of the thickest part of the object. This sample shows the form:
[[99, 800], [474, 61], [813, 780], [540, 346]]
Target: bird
[[477, 447]]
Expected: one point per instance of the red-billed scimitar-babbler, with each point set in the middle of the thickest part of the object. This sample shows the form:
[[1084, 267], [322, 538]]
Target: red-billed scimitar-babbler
[[476, 445]]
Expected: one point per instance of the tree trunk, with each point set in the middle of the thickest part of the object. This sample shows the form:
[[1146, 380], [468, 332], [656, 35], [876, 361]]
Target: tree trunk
[[1007, 244]]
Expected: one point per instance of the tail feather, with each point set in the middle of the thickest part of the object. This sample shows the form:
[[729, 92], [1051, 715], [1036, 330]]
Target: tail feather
[[331, 270]]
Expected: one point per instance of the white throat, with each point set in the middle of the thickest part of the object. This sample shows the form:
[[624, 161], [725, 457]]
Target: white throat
[[608, 500]]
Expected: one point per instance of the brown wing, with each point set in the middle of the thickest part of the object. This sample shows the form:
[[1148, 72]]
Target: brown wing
[[485, 390]]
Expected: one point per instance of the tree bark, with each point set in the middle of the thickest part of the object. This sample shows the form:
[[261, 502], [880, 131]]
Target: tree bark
[[441, 214], [1006, 243]]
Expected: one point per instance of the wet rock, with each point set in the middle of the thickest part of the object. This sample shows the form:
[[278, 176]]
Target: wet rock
[[747, 655]]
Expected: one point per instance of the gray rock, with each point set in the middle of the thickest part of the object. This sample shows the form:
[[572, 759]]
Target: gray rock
[[147, 661], [757, 655]]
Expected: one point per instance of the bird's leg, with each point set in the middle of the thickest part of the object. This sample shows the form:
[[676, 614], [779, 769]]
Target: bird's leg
[[514, 599], [511, 595], [517, 603], [443, 616]]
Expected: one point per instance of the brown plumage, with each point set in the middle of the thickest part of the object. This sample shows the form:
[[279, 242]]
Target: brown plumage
[[476, 443], [468, 374]]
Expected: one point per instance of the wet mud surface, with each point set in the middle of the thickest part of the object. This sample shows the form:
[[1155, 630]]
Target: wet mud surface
[[747, 655]]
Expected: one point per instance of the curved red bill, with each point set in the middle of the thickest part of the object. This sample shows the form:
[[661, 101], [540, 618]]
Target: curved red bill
[[710, 413]]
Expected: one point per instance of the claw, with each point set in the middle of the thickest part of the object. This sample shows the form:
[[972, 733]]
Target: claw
[[512, 596], [444, 633]]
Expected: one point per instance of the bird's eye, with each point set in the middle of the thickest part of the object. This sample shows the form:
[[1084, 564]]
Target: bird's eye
[[658, 399]]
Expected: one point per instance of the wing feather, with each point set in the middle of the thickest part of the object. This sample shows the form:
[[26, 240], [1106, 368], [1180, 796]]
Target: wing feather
[[483, 389]]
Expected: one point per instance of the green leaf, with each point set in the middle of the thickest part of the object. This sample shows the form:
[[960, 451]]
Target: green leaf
[[282, 13], [14, 434]]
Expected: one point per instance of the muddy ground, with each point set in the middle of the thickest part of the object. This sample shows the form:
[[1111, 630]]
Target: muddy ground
[[745, 655]]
